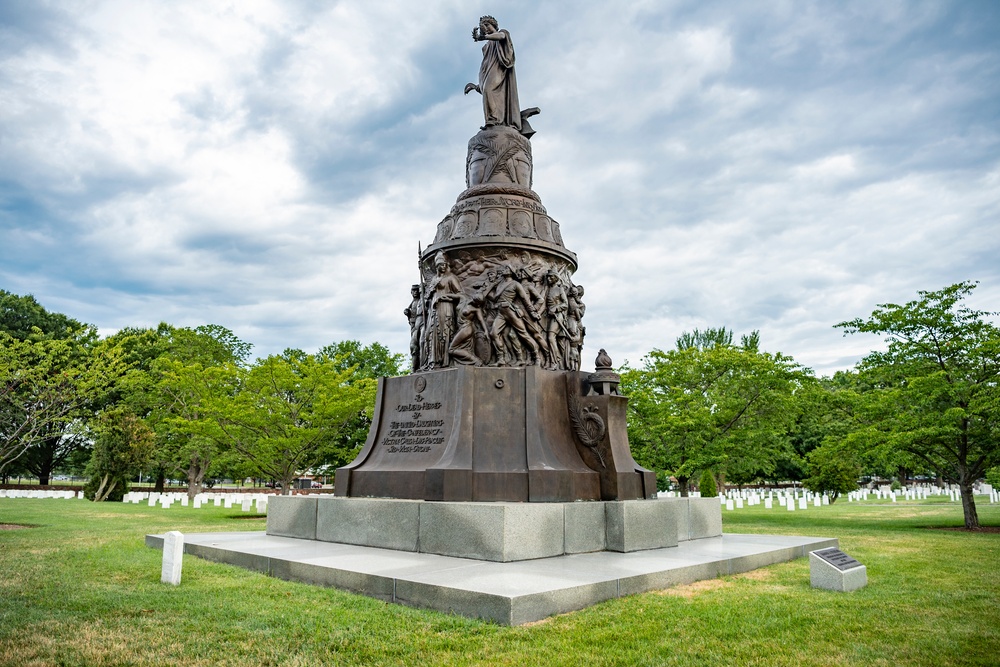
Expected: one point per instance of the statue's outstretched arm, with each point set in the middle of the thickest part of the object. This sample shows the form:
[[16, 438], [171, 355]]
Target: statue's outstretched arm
[[469, 87]]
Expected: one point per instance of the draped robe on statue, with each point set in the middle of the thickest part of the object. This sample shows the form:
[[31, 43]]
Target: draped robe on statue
[[498, 83]]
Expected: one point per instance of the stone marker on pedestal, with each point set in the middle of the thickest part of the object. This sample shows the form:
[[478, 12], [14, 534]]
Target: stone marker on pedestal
[[834, 570], [173, 557]]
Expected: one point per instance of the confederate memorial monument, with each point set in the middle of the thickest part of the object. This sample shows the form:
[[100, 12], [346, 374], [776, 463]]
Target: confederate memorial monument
[[497, 408], [496, 480]]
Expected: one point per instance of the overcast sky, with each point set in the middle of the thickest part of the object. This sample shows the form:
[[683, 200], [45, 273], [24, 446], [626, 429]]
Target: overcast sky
[[272, 166]]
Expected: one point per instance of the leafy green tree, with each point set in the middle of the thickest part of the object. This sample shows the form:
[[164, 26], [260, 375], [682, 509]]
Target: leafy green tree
[[122, 443], [289, 411], [197, 369], [366, 362], [711, 404], [936, 390], [706, 485], [832, 470], [23, 318], [47, 387]]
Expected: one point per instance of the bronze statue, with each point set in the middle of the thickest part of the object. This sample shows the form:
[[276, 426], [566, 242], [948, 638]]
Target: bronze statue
[[415, 315], [497, 82], [444, 291], [463, 345], [556, 306], [511, 300]]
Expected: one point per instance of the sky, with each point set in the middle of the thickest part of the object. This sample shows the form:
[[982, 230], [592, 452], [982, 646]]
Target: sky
[[779, 166]]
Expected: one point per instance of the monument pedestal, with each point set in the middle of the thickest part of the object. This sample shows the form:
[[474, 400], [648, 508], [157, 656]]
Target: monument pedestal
[[500, 532], [487, 434]]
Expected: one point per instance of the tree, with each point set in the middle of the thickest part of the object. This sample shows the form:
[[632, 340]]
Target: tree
[[936, 390], [832, 470], [706, 485], [290, 409], [365, 362], [197, 368], [711, 404], [47, 385], [122, 443]]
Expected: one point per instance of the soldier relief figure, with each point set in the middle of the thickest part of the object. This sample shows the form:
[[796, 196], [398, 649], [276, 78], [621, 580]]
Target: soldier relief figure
[[495, 311]]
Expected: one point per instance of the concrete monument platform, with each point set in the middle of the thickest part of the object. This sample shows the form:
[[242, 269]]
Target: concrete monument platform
[[496, 531], [509, 593]]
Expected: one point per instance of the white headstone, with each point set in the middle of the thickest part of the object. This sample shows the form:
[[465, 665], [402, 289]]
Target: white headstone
[[803, 503], [246, 504], [184, 500], [173, 556], [739, 503], [790, 505], [767, 503], [197, 502], [218, 502], [729, 505]]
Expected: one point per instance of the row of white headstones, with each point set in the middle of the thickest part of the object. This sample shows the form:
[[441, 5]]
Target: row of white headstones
[[245, 501], [735, 499]]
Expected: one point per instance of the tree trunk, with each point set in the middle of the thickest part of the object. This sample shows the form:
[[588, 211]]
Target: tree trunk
[[834, 496], [100, 489], [161, 477], [683, 481], [44, 472], [98, 498], [969, 507], [195, 476]]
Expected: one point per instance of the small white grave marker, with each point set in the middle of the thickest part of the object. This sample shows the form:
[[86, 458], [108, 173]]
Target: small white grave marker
[[739, 503], [729, 505], [246, 504], [173, 555], [767, 503], [803, 503]]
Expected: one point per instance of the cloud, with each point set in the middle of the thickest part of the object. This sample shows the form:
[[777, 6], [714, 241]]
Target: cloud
[[271, 167]]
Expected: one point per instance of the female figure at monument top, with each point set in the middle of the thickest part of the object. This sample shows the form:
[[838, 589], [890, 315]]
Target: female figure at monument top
[[497, 82]]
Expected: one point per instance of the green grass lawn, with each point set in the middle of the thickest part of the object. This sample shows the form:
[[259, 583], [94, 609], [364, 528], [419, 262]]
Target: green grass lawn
[[80, 588]]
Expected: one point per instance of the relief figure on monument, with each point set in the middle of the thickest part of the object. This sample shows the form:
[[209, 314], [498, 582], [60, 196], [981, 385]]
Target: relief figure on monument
[[443, 293], [512, 301], [574, 326], [464, 344], [556, 307], [415, 316]]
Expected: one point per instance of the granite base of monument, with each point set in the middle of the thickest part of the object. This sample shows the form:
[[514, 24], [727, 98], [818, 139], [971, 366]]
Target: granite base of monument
[[500, 532]]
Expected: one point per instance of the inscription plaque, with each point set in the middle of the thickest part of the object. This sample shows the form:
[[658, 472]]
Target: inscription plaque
[[838, 559]]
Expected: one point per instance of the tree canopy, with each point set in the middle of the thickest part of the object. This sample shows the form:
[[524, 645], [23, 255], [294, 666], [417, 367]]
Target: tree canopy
[[936, 387]]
